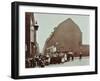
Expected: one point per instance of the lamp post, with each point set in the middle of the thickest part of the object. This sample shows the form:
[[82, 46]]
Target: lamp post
[[35, 29]]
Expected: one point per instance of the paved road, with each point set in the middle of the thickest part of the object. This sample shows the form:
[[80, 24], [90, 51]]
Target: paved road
[[76, 62]]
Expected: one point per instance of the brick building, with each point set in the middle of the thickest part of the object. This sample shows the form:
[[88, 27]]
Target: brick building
[[66, 35], [31, 45]]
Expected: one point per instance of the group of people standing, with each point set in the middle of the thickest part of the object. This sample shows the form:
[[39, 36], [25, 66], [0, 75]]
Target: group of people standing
[[38, 61], [43, 60]]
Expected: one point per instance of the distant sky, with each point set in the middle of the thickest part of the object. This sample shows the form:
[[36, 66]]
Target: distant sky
[[47, 22]]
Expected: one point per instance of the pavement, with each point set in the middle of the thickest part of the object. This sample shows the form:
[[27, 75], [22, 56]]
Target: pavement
[[75, 62]]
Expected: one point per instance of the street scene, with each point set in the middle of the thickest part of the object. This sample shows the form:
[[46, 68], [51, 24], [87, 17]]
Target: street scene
[[76, 62], [53, 40]]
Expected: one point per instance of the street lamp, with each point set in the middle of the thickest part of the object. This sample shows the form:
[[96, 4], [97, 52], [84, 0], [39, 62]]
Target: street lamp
[[36, 26], [35, 29]]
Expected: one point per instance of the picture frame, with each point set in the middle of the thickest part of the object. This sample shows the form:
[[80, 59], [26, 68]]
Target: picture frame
[[19, 10]]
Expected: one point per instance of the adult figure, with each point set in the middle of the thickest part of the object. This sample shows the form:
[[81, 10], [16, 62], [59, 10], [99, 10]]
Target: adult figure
[[80, 54], [47, 59], [62, 57], [65, 56], [36, 58], [70, 54]]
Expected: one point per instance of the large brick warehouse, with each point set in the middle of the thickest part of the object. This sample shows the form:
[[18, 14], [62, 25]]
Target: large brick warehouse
[[67, 35]]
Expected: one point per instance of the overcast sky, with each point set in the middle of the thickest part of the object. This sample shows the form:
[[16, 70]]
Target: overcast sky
[[47, 22]]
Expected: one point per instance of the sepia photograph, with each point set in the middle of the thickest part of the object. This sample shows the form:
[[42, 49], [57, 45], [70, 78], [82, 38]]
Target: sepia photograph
[[56, 40], [50, 40]]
